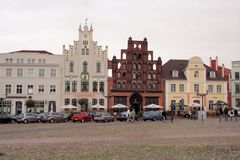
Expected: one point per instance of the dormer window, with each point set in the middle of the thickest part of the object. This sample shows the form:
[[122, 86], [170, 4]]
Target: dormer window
[[175, 73], [212, 74], [196, 74]]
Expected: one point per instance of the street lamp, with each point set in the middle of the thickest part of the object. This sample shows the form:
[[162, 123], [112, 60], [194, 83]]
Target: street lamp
[[202, 95]]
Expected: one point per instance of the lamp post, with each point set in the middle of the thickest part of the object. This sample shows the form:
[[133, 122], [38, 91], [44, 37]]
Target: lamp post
[[202, 95]]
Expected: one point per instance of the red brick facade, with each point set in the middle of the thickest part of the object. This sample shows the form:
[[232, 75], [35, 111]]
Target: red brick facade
[[136, 77]]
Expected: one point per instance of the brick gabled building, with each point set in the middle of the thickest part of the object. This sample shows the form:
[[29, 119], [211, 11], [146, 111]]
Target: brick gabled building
[[136, 77]]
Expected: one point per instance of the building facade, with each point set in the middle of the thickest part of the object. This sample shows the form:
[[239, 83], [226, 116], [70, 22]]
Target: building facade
[[235, 84], [226, 74], [136, 77], [30, 74], [85, 71], [185, 78]]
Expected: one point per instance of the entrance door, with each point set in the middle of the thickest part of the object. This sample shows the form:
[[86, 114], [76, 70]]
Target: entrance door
[[52, 106], [136, 102], [18, 108]]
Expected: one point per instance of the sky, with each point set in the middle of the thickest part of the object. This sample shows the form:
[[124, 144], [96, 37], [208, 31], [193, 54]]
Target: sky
[[175, 29]]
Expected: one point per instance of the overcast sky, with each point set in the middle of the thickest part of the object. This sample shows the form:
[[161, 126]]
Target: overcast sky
[[175, 29]]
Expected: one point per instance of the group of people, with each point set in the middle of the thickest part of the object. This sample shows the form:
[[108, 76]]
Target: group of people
[[225, 112], [131, 115]]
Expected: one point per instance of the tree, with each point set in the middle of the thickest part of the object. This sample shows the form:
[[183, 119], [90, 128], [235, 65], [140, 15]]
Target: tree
[[30, 104]]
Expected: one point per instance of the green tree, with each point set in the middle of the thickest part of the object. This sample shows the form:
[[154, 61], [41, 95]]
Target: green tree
[[30, 104]]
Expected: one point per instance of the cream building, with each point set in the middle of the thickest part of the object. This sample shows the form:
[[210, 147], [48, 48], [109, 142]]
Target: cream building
[[85, 71], [28, 74], [185, 78], [235, 84]]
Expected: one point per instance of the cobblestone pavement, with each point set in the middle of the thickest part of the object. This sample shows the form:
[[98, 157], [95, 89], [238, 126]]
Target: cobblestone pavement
[[183, 139]]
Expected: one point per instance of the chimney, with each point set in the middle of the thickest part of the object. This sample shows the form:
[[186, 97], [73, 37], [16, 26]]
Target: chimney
[[216, 63], [210, 61], [223, 70]]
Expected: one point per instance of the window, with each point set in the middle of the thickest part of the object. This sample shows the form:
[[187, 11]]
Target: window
[[84, 86], [67, 101], [9, 72], [67, 86], [149, 76], [196, 87], [181, 87], [85, 43], [154, 67], [154, 76], [237, 88], [39, 106], [101, 88], [175, 73], [19, 72], [74, 102], [87, 51], [123, 85], [236, 75], [151, 100], [212, 74], [138, 85], [134, 75], [85, 66], [149, 86], [196, 74], [30, 89], [94, 101], [237, 102], [52, 89], [210, 105], [19, 89], [119, 65], [124, 75], [219, 88], [138, 75], [30, 72], [74, 86], [98, 68], [118, 75], [118, 85], [101, 102], [134, 86], [154, 85], [210, 88], [173, 87], [41, 72], [83, 51], [53, 72], [139, 66], [134, 56], [71, 67], [41, 88], [8, 89], [134, 66], [120, 100], [95, 86], [84, 77]]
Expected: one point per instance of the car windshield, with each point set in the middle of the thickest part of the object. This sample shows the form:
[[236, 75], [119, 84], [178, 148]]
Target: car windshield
[[98, 114]]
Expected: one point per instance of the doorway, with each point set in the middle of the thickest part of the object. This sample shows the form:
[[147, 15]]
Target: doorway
[[136, 102]]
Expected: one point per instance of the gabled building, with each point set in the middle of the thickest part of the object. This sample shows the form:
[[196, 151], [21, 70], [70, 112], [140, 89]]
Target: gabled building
[[136, 77], [224, 73], [30, 74], [85, 71], [185, 78], [236, 84]]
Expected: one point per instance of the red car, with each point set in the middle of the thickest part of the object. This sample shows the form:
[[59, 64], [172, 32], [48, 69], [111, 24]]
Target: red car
[[81, 116]]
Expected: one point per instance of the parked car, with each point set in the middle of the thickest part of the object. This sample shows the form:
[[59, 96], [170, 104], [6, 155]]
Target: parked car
[[81, 116], [104, 117], [4, 118], [152, 115], [122, 116], [54, 117], [27, 117]]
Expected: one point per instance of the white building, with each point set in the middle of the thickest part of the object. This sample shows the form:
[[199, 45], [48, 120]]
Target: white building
[[85, 71], [236, 84], [28, 74]]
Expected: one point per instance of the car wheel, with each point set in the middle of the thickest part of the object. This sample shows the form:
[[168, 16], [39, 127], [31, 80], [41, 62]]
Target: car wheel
[[73, 121], [144, 119], [51, 120], [105, 120], [153, 119], [12, 121], [65, 120], [39, 120], [25, 121]]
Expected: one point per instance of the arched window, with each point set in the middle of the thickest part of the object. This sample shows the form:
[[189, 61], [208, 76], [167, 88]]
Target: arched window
[[149, 57], [139, 75], [196, 74], [118, 75], [149, 76], [85, 66], [139, 56], [98, 67], [124, 56], [134, 86], [134, 56], [154, 85], [134, 75], [139, 66], [101, 87], [124, 85], [118, 85], [95, 86], [119, 65], [154, 67], [134, 66], [149, 85], [71, 66], [67, 101], [139, 85], [154, 76], [124, 75]]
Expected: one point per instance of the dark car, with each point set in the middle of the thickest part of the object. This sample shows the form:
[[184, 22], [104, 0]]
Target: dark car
[[104, 117], [152, 115], [27, 117], [4, 118], [81, 116], [54, 117], [122, 116]]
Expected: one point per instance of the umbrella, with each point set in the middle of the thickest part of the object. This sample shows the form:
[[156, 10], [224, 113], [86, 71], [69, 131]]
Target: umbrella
[[69, 106], [98, 106], [153, 106], [119, 106], [195, 105]]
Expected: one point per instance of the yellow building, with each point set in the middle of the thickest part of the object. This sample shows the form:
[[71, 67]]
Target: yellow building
[[184, 79]]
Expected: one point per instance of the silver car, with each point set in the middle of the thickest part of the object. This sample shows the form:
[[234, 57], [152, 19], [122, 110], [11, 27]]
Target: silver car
[[104, 117], [54, 117], [27, 117]]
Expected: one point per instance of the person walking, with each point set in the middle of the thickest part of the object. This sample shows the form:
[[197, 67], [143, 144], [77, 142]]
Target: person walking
[[164, 115], [226, 113], [236, 114], [128, 115], [133, 115]]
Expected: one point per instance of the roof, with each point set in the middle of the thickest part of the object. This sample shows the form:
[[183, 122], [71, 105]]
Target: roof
[[33, 51], [180, 65]]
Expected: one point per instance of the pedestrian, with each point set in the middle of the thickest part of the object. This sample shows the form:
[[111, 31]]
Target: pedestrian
[[133, 115], [128, 115], [236, 114], [164, 115], [220, 114], [226, 113], [231, 115]]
